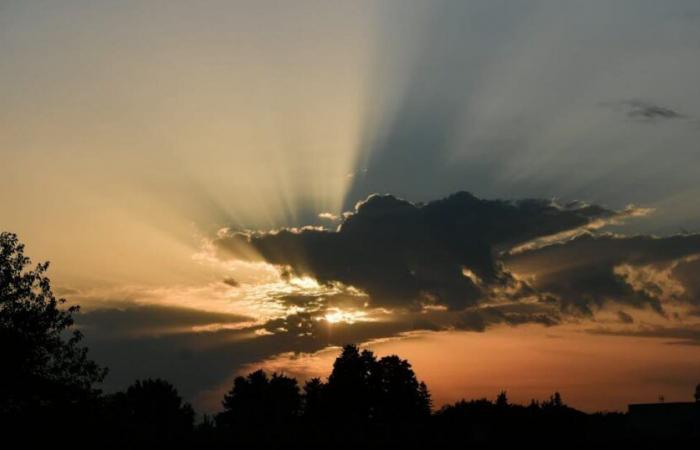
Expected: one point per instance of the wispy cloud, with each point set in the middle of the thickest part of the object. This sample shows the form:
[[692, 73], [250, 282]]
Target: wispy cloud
[[644, 111]]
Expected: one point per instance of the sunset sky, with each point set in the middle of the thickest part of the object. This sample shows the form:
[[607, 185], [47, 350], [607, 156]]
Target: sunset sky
[[503, 192]]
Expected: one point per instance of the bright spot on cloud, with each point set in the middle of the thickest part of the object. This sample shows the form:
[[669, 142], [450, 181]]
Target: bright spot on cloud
[[304, 283], [471, 275], [329, 216], [335, 315]]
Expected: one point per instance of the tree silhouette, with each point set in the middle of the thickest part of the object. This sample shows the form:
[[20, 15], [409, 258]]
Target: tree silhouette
[[368, 389], [349, 389], [554, 401], [45, 370], [502, 399], [259, 408], [314, 399], [149, 412], [366, 399], [400, 396]]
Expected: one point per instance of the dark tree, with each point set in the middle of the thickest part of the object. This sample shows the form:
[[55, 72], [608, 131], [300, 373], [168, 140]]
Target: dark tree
[[554, 401], [376, 390], [352, 385], [258, 399], [45, 370], [259, 409], [502, 400], [370, 400], [426, 401], [400, 396], [149, 412], [314, 390]]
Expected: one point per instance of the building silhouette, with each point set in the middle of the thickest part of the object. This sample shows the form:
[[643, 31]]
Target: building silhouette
[[665, 419]]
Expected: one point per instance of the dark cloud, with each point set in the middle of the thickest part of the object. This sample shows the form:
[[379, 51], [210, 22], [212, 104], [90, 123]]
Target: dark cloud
[[453, 253], [199, 362], [645, 111], [318, 303], [687, 334], [588, 271], [119, 320], [624, 317], [408, 255], [196, 361], [443, 265], [231, 282], [479, 319], [687, 272]]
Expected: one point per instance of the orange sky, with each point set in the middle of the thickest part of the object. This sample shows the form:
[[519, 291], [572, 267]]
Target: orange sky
[[592, 372]]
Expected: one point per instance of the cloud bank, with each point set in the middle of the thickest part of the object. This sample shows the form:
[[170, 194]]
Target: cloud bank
[[465, 254], [393, 267], [409, 255]]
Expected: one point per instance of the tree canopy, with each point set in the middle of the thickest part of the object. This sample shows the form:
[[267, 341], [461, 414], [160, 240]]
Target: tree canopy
[[44, 364]]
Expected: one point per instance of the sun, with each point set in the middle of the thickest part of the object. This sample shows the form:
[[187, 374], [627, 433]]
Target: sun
[[336, 315]]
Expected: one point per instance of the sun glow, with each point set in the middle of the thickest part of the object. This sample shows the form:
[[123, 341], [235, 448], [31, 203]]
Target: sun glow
[[336, 315], [306, 283]]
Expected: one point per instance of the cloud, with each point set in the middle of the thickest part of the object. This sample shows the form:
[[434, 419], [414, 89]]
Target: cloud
[[412, 255], [618, 218], [130, 320], [588, 271], [230, 281], [138, 341], [482, 259], [686, 273], [479, 319], [329, 216], [624, 317], [202, 364], [393, 267], [645, 111], [688, 334]]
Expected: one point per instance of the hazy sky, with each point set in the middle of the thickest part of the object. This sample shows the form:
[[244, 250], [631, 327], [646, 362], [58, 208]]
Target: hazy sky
[[139, 138]]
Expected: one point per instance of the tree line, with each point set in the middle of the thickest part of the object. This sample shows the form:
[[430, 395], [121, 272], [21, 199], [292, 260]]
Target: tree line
[[49, 394]]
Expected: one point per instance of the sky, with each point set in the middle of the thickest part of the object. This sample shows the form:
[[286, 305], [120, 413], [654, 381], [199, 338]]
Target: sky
[[504, 193]]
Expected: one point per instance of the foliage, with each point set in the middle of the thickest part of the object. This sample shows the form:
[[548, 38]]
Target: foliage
[[149, 412], [44, 365]]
